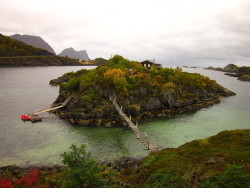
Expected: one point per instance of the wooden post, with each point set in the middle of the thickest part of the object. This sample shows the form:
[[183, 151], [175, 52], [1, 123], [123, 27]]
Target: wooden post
[[138, 137]]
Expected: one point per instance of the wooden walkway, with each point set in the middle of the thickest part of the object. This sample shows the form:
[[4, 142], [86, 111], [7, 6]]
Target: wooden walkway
[[35, 118], [142, 137], [53, 108]]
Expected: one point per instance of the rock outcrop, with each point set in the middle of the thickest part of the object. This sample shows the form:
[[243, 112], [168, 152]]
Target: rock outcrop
[[70, 52], [91, 106], [243, 73]]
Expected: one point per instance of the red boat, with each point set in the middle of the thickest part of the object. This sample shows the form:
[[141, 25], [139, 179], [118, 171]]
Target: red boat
[[25, 117]]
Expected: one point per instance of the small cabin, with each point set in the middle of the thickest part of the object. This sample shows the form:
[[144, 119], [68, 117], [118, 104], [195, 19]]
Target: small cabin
[[147, 64]]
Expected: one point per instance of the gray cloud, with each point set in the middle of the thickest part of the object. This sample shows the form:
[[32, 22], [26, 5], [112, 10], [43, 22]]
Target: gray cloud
[[175, 33]]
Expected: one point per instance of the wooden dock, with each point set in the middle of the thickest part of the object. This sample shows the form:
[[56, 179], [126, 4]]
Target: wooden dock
[[142, 137], [34, 116]]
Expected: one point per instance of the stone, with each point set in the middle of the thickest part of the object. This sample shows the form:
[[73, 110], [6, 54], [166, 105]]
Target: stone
[[84, 122], [214, 160], [152, 103], [108, 124]]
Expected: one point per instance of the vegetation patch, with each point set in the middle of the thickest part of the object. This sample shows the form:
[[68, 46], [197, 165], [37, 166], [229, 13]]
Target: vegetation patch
[[219, 161]]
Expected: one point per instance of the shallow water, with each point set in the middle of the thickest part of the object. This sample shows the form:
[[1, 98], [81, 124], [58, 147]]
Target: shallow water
[[24, 90]]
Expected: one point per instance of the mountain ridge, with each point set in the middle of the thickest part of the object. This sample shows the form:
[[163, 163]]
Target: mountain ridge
[[35, 41], [11, 47], [72, 53]]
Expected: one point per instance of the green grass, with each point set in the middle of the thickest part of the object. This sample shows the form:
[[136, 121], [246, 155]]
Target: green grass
[[187, 166]]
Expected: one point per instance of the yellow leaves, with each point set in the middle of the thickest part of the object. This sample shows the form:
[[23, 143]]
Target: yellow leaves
[[155, 84], [141, 75], [169, 86], [112, 73]]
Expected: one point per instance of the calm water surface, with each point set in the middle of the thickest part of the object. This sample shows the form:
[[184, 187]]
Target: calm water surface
[[24, 90]]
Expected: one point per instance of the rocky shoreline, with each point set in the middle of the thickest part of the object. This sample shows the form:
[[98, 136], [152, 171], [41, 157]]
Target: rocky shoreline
[[242, 73], [116, 120], [166, 104]]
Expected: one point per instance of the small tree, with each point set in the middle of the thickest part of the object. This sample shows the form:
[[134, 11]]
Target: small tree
[[83, 170]]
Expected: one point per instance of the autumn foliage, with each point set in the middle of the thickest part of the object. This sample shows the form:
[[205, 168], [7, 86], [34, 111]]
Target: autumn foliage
[[31, 180], [114, 72]]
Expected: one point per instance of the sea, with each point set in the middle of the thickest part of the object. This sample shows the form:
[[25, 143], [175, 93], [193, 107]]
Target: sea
[[26, 90]]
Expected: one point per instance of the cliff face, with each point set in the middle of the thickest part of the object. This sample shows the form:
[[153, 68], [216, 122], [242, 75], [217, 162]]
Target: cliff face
[[35, 41], [142, 93], [70, 52]]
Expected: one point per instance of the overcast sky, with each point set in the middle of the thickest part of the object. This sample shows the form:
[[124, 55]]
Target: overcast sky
[[179, 32]]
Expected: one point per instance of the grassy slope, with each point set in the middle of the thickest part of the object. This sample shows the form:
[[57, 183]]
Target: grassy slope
[[37, 61], [16, 53], [187, 166], [10, 47]]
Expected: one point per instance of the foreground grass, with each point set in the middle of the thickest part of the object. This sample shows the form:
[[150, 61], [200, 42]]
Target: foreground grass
[[219, 161]]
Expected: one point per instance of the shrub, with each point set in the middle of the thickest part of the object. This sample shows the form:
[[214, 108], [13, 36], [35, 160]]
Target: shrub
[[73, 84], [83, 170], [167, 73], [233, 176], [169, 86], [88, 97], [30, 180], [113, 72], [120, 84], [5, 183]]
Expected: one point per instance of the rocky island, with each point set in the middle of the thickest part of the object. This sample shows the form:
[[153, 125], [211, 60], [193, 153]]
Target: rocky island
[[243, 73], [142, 92]]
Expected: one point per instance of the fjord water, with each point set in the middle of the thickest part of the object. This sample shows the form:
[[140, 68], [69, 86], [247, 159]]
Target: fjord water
[[25, 90]]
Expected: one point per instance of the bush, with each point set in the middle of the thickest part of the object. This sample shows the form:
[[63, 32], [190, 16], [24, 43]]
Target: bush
[[113, 72], [88, 98], [73, 84], [233, 176], [169, 86], [83, 170], [120, 84]]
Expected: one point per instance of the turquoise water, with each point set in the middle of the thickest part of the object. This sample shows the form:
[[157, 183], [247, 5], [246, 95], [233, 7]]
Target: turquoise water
[[24, 90]]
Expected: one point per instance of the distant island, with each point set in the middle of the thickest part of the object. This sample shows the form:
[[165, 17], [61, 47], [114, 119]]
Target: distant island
[[243, 73], [35, 41], [14, 53], [142, 92], [72, 53]]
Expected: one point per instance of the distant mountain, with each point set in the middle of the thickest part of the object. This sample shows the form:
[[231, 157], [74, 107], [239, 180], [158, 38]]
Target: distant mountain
[[14, 53], [70, 52], [10, 47], [33, 41]]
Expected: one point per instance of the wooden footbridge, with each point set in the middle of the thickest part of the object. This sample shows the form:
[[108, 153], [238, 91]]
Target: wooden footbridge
[[34, 116], [142, 137]]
